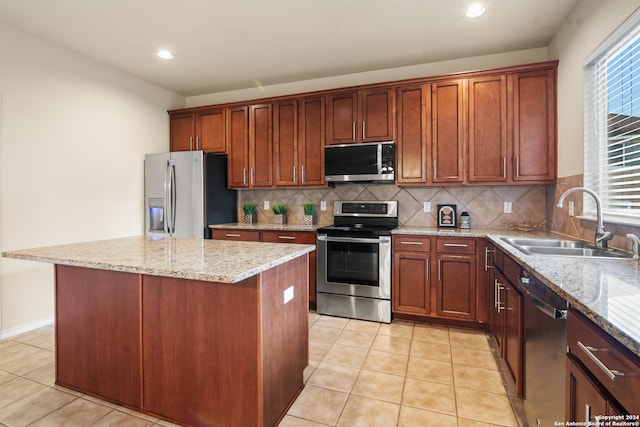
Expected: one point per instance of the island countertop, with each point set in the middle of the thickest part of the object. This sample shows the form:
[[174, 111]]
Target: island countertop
[[195, 259]]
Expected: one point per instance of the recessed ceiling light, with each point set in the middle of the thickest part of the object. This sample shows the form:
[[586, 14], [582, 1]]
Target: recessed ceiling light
[[164, 54], [475, 10]]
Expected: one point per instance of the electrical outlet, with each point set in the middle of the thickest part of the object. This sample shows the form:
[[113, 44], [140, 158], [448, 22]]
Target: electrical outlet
[[288, 294], [323, 205], [507, 207], [265, 205], [427, 207], [571, 211]]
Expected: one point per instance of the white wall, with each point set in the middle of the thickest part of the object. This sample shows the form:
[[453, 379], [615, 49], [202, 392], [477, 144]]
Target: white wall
[[73, 134], [377, 76], [590, 23]]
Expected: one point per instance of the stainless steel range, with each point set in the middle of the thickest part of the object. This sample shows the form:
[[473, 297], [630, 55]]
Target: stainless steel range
[[354, 261]]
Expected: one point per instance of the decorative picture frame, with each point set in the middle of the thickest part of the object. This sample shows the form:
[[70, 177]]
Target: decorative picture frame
[[447, 217]]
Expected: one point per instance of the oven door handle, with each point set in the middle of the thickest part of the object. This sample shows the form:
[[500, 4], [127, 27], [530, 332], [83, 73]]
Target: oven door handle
[[381, 240]]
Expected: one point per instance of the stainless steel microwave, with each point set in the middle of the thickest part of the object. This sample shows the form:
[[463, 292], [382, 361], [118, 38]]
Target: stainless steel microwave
[[374, 161]]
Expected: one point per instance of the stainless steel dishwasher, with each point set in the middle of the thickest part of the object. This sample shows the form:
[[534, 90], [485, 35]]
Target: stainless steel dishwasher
[[545, 347]]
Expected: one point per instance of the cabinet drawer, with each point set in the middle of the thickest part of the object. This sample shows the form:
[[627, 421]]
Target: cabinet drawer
[[248, 236], [599, 353], [411, 244], [303, 237], [456, 246]]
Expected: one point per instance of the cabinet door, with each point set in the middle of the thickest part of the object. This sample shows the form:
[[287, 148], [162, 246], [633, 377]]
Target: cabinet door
[[585, 402], [411, 290], [533, 117], [376, 116], [261, 145], [513, 338], [413, 131], [311, 141], [488, 129], [456, 287], [342, 117], [238, 136], [211, 131], [448, 136], [181, 131], [497, 309], [285, 143]]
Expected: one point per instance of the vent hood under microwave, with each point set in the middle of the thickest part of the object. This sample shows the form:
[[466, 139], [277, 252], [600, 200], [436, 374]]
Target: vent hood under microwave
[[360, 162]]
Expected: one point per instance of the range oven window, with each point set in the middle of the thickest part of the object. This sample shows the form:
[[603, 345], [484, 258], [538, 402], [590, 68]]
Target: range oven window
[[353, 263]]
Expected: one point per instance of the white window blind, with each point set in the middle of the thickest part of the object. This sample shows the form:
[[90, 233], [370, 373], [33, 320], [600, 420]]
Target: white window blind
[[612, 125]]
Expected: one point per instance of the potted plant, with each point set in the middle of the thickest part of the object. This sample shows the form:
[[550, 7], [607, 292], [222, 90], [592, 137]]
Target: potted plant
[[309, 213], [250, 213], [280, 212]]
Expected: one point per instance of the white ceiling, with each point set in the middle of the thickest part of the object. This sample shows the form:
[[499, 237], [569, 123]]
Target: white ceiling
[[222, 45]]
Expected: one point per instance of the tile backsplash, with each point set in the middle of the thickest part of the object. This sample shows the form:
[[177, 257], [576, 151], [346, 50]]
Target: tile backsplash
[[485, 204]]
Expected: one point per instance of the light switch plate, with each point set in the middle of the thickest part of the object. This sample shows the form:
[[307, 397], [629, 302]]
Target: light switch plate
[[323, 205], [265, 204], [507, 207], [426, 207], [571, 209]]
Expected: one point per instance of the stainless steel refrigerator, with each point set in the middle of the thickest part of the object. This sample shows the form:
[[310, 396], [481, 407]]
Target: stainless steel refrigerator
[[185, 192]]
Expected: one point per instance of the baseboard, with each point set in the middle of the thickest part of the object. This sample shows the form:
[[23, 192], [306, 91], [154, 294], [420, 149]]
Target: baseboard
[[47, 321]]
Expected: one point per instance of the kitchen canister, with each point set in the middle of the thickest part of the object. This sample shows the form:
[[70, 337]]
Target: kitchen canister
[[465, 220]]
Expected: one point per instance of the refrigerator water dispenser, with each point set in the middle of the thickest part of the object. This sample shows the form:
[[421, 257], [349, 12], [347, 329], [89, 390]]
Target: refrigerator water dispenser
[[156, 214]]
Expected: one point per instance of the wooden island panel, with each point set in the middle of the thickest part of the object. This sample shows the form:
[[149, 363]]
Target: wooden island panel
[[98, 333], [198, 353]]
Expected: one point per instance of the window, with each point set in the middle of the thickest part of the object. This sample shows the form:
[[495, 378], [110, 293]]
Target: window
[[612, 125]]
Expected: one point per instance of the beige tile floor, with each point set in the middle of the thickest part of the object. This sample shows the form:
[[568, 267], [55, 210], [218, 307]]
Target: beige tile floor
[[360, 374]]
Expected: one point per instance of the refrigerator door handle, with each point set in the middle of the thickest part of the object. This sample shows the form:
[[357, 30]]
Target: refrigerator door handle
[[167, 185], [173, 198]]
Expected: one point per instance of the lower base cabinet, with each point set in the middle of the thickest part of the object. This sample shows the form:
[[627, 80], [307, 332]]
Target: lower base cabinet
[[301, 237]]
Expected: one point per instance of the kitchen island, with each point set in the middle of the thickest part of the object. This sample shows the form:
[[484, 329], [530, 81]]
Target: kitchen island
[[198, 332]]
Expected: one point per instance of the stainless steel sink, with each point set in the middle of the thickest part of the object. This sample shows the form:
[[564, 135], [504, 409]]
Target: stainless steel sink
[[565, 248]]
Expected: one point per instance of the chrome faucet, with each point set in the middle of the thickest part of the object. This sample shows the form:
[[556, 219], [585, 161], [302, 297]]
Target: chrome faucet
[[635, 245], [602, 237]]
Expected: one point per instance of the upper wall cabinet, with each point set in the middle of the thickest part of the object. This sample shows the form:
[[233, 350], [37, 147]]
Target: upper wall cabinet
[[201, 130], [488, 129], [298, 142], [364, 116], [412, 157], [532, 112], [448, 102], [249, 129]]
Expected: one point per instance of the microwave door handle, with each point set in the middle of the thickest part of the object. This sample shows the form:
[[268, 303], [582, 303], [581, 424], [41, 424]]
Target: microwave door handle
[[379, 158]]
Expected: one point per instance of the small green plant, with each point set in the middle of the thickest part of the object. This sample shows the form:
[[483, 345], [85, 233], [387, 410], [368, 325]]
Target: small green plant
[[309, 209], [279, 209], [249, 208]]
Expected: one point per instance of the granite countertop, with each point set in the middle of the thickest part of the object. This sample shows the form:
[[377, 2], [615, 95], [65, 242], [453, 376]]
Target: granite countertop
[[267, 227], [195, 259], [606, 291]]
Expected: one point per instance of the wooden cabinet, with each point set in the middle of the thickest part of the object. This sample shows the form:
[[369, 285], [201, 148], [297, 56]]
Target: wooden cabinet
[[436, 278], [301, 237], [249, 129], [506, 317], [412, 155], [488, 129], [299, 142], [202, 130], [411, 279], [456, 278], [532, 111], [360, 116], [603, 377], [448, 138]]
